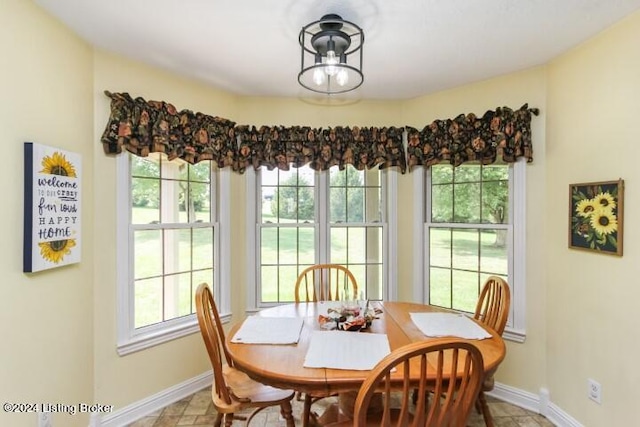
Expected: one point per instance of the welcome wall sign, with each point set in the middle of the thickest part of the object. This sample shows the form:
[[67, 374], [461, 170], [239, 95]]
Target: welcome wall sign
[[52, 199]]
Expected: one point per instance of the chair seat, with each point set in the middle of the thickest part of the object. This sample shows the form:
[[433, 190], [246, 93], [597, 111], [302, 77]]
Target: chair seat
[[244, 389]]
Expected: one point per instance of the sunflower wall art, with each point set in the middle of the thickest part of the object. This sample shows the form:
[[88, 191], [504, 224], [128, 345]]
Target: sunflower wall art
[[52, 196], [595, 216]]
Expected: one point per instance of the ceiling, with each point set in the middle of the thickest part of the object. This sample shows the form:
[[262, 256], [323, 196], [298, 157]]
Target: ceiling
[[412, 47]]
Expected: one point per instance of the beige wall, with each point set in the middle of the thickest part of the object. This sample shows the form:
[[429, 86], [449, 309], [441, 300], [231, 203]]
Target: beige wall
[[592, 136], [59, 326], [46, 318]]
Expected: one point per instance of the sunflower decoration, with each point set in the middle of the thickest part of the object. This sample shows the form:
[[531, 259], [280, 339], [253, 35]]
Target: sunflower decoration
[[55, 251], [604, 201], [595, 220], [57, 164], [586, 207], [604, 222]]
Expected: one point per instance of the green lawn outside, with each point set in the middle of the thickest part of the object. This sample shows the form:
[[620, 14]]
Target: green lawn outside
[[182, 282], [297, 251]]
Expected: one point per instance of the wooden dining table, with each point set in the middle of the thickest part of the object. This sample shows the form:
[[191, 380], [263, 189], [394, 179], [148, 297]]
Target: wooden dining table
[[282, 365]]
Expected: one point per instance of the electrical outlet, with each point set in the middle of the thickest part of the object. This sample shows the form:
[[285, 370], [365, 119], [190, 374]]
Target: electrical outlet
[[594, 390], [45, 419]]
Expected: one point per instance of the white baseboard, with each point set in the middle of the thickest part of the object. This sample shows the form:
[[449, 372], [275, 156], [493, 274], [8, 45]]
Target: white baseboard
[[131, 413], [540, 404]]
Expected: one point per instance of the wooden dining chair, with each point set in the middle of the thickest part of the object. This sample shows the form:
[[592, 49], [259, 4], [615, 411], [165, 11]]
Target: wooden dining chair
[[427, 366], [492, 310], [233, 391], [325, 282], [322, 282]]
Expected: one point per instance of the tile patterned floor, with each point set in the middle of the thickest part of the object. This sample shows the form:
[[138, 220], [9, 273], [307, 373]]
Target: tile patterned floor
[[197, 411]]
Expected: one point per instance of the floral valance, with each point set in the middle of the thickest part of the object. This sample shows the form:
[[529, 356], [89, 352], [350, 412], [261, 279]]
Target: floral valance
[[320, 148], [142, 127], [501, 133]]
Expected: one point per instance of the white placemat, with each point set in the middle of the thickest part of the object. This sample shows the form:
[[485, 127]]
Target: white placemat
[[269, 330], [358, 351], [448, 325]]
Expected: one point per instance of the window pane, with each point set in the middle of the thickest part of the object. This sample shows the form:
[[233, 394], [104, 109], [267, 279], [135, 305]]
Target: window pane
[[465, 246], [305, 204], [355, 204], [372, 287], [464, 290], [177, 251], [145, 166], [145, 200], [493, 252], [357, 245], [442, 203], [339, 245], [288, 249], [148, 302], [466, 173], [467, 203], [495, 202], [199, 203], [269, 281], [202, 248], [269, 245], [267, 208], [173, 208], [338, 210], [495, 172], [287, 276], [306, 246], [440, 287], [440, 247], [293, 195], [147, 250], [200, 172], [201, 276], [441, 174], [177, 295]]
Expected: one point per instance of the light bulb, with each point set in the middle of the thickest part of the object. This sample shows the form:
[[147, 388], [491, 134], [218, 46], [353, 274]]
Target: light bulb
[[343, 77], [318, 76], [331, 61]]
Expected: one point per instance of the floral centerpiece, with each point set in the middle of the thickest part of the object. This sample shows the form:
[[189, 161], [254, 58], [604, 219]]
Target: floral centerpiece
[[348, 316]]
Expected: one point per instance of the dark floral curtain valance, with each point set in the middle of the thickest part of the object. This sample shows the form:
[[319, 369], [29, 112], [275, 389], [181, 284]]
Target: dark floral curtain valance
[[503, 133], [142, 127], [320, 148]]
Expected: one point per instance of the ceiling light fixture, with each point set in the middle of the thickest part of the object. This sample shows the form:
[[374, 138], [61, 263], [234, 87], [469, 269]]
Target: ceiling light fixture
[[331, 55]]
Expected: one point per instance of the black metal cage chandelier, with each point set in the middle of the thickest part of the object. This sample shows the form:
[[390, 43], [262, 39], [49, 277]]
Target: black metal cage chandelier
[[331, 55]]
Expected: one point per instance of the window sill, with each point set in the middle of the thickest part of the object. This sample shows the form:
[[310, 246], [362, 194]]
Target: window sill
[[514, 335], [150, 338]]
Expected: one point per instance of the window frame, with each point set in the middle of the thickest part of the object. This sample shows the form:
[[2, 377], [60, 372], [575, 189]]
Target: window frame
[[253, 197], [130, 339], [516, 328]]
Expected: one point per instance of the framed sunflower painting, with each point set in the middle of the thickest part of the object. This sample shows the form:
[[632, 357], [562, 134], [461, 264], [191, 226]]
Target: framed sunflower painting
[[52, 196], [595, 216]]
